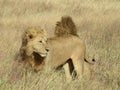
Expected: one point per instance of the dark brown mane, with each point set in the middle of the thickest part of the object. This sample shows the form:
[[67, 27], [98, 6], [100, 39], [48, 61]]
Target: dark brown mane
[[65, 26], [38, 59]]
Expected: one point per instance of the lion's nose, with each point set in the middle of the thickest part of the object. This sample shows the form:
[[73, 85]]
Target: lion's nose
[[47, 50]]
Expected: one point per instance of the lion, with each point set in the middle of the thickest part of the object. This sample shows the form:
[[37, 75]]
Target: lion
[[55, 53], [66, 49], [51, 50]]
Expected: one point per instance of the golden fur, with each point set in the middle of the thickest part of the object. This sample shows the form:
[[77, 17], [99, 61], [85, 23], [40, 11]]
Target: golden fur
[[74, 49], [66, 27], [58, 53], [47, 54]]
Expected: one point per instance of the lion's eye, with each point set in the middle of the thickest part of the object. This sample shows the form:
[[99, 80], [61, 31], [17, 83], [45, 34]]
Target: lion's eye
[[40, 41], [30, 36]]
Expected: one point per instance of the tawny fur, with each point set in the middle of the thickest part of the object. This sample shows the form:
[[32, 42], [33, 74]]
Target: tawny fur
[[66, 45], [67, 27], [59, 52]]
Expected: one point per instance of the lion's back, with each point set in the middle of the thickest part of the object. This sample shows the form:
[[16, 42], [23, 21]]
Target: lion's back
[[62, 48]]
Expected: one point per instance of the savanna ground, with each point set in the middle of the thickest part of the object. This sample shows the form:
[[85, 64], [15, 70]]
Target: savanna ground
[[98, 23]]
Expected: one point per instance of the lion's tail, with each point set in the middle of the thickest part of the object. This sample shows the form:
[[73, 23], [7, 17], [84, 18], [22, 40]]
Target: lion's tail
[[65, 27], [90, 62]]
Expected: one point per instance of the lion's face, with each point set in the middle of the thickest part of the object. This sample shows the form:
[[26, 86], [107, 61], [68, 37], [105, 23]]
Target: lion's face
[[33, 32], [38, 45], [36, 42]]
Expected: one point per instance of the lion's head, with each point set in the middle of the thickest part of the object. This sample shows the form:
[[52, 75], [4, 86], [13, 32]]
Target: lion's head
[[31, 33], [35, 40]]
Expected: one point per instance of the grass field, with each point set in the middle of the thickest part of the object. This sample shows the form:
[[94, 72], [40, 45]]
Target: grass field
[[98, 23]]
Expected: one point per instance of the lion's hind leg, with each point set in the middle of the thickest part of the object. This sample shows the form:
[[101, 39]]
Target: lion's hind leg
[[78, 66], [67, 71], [69, 68]]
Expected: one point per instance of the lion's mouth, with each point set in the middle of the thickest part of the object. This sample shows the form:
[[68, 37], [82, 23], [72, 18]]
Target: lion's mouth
[[43, 54], [38, 58], [40, 55]]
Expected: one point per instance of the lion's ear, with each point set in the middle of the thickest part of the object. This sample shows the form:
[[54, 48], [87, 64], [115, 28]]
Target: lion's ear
[[24, 41]]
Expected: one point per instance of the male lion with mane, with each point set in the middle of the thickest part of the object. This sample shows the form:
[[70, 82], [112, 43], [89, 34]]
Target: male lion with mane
[[26, 53], [47, 54]]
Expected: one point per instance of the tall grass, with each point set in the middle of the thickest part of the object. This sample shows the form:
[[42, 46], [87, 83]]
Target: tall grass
[[98, 23]]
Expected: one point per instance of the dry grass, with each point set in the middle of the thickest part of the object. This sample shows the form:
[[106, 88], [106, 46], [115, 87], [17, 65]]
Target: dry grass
[[98, 22]]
